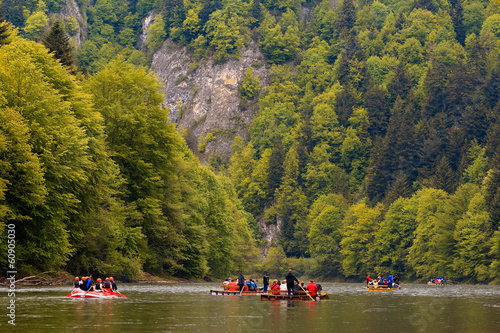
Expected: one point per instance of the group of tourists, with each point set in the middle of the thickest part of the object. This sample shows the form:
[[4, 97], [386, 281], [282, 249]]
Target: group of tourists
[[291, 282], [382, 281], [439, 280], [86, 284]]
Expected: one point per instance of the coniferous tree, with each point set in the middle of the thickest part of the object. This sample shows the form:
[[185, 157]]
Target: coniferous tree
[[400, 85], [457, 16], [57, 42], [436, 83], [4, 28], [378, 110], [13, 10], [425, 4], [347, 17], [443, 178], [492, 88]]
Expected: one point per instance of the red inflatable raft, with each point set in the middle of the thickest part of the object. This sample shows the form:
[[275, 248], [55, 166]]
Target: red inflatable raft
[[95, 294]]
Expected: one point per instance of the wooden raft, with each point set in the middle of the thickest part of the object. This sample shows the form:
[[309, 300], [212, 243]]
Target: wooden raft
[[381, 288], [234, 292], [296, 297]]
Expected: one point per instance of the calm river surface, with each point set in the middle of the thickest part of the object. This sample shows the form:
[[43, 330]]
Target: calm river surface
[[188, 307]]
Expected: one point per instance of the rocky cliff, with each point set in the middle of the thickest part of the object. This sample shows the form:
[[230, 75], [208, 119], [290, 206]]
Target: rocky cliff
[[204, 98], [71, 9]]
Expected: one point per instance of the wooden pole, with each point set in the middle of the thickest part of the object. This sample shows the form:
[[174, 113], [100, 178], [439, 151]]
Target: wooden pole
[[307, 293]]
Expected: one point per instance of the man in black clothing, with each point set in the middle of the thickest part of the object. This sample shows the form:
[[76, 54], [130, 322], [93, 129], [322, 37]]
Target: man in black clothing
[[266, 282], [290, 279], [241, 281]]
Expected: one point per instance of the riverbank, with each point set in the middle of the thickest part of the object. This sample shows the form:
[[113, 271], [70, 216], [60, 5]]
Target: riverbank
[[61, 278]]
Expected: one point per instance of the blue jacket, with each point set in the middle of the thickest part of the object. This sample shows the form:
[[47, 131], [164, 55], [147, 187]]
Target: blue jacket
[[389, 279]]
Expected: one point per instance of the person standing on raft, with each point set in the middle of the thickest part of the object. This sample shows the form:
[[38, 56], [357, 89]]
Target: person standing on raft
[[290, 281], [266, 282], [241, 281]]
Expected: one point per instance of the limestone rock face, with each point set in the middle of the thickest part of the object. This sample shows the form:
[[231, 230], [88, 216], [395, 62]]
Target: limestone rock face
[[204, 98], [71, 9]]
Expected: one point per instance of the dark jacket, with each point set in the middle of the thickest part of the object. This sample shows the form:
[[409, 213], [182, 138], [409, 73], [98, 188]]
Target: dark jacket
[[290, 278], [241, 280], [107, 284], [266, 280]]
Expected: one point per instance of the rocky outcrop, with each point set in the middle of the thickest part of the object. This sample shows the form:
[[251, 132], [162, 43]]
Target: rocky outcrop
[[143, 35], [271, 232], [71, 9], [204, 97]]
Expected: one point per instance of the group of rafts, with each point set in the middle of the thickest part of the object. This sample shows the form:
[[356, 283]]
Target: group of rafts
[[270, 295]]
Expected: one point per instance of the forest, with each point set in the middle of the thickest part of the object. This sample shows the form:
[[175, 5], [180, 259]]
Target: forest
[[376, 146]]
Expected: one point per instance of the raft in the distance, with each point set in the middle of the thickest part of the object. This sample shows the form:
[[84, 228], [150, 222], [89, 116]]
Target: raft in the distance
[[78, 293], [382, 287]]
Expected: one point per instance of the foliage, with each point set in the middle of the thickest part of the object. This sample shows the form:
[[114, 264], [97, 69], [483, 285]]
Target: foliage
[[250, 85], [375, 145], [156, 34], [58, 43]]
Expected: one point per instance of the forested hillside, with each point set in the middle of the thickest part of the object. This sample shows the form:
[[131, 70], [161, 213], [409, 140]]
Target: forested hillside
[[376, 147]]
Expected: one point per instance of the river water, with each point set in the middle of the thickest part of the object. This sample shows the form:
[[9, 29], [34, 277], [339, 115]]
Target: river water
[[188, 307]]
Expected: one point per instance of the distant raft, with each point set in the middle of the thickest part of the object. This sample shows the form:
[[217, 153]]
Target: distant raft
[[382, 287], [78, 293], [235, 292]]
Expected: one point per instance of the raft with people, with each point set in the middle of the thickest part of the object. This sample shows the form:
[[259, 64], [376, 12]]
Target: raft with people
[[376, 287], [78, 293], [382, 284], [84, 288]]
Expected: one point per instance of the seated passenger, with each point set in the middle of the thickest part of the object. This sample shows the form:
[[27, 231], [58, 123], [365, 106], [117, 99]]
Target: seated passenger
[[76, 284], [98, 285], [83, 285], [296, 287], [233, 286], [113, 284], [107, 285], [251, 285], [312, 288], [276, 287]]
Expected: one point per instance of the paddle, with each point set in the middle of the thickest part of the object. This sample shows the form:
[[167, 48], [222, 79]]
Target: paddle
[[405, 284], [119, 293], [307, 293]]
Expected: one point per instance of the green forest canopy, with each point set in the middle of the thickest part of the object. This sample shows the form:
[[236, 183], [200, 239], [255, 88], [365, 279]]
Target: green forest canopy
[[376, 144]]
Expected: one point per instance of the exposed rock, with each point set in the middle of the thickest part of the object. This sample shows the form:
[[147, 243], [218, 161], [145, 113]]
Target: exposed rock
[[143, 35], [204, 98], [71, 9], [271, 233]]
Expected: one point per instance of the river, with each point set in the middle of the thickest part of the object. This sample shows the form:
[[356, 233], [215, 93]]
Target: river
[[188, 307]]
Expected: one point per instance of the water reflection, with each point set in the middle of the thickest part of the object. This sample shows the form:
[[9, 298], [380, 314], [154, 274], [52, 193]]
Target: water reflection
[[190, 308]]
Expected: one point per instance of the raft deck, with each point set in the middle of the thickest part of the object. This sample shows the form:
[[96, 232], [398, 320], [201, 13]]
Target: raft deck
[[381, 288], [295, 297], [235, 292]]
